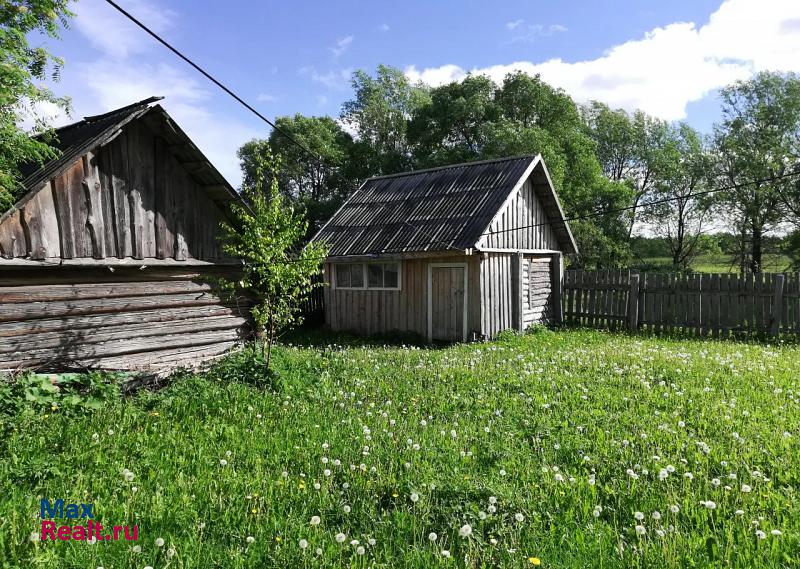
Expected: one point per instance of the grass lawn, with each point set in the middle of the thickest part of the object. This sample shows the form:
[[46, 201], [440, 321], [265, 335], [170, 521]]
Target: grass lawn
[[564, 449], [773, 263]]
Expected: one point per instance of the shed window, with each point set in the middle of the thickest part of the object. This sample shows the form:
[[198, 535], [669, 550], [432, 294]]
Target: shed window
[[368, 275]]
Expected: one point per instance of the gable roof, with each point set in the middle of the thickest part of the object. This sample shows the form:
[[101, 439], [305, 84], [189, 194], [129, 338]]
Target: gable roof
[[438, 209], [76, 139]]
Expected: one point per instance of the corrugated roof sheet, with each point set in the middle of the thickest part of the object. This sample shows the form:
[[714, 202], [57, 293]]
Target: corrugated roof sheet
[[427, 210]]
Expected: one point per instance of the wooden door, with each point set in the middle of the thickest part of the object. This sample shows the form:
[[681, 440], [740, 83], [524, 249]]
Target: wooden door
[[447, 302]]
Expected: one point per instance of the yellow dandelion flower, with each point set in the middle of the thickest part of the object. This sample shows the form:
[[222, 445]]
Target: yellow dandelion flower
[[254, 510], [278, 538], [394, 494], [534, 561]]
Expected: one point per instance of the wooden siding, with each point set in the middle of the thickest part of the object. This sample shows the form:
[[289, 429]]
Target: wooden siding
[[524, 211], [537, 290], [406, 310], [128, 320], [128, 199]]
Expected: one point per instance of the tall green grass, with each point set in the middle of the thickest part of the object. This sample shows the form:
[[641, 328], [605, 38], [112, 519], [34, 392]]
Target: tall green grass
[[544, 449]]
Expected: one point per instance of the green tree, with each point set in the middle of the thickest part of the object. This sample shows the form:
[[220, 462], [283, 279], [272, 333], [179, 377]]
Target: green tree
[[267, 235], [22, 69], [476, 119], [632, 148], [681, 215], [318, 184], [757, 139], [379, 115], [457, 124]]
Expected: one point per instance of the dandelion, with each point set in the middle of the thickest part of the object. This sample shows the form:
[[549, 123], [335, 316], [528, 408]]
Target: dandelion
[[638, 515], [709, 504], [318, 551], [715, 482], [776, 532], [223, 462], [445, 554], [136, 549], [326, 472], [354, 542], [340, 537], [481, 515], [127, 475], [414, 497], [760, 534], [171, 552], [534, 561], [346, 509], [159, 542], [371, 541], [519, 517], [492, 500], [674, 509], [656, 515], [432, 536], [250, 540], [34, 536], [641, 530], [689, 476], [465, 530], [315, 520], [746, 489]]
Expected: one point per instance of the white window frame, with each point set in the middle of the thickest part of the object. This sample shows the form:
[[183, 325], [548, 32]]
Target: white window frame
[[399, 263], [465, 326]]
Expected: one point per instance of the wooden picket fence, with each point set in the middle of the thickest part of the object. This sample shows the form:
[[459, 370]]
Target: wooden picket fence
[[716, 305]]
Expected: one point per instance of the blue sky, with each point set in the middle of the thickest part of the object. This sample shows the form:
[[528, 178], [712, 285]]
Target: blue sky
[[668, 58]]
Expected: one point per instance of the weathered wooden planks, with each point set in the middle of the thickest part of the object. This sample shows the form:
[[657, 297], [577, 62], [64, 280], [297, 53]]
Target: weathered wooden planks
[[129, 199], [62, 326], [717, 305]]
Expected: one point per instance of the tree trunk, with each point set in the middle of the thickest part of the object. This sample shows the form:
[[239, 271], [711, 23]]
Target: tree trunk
[[755, 254]]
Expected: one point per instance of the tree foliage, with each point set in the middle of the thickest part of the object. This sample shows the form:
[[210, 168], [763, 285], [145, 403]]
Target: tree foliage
[[267, 236], [757, 139], [379, 115], [315, 183], [22, 69]]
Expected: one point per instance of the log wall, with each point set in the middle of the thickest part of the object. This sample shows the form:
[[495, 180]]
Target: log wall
[[131, 319]]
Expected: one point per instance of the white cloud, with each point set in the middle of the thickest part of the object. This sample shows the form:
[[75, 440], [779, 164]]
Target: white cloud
[[129, 67], [218, 136], [384, 27], [338, 79], [670, 66], [341, 46], [266, 98], [322, 100], [112, 33], [529, 33]]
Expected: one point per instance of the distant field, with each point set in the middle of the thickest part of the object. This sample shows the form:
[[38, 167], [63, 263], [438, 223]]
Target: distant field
[[569, 449], [773, 263]]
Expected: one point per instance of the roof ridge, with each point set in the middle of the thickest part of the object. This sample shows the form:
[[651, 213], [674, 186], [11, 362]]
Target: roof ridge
[[94, 118], [450, 166]]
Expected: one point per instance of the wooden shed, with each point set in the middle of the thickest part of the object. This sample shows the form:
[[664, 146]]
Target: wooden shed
[[105, 262], [453, 253]]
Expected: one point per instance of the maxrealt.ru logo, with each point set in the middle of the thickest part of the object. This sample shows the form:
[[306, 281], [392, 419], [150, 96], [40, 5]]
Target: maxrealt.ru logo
[[90, 532]]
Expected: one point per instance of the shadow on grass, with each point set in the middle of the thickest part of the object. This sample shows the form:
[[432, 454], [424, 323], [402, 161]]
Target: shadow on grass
[[310, 335]]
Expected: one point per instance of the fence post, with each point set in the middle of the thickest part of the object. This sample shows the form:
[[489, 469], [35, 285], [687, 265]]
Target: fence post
[[777, 305], [633, 303]]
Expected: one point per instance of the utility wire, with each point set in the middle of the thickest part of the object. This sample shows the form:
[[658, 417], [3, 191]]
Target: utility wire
[[652, 203], [216, 82], [317, 158]]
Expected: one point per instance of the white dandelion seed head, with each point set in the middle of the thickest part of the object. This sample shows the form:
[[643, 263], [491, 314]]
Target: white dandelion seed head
[[315, 520], [432, 536], [250, 539], [159, 542], [340, 537], [465, 530]]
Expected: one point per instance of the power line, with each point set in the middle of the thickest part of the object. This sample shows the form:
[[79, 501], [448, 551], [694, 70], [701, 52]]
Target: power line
[[317, 158], [652, 203], [216, 82]]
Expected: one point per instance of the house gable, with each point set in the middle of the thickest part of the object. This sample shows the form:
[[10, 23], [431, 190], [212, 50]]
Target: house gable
[[531, 218], [142, 192]]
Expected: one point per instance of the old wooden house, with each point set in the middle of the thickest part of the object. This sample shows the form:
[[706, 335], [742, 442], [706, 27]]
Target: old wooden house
[[452, 253], [105, 261]]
